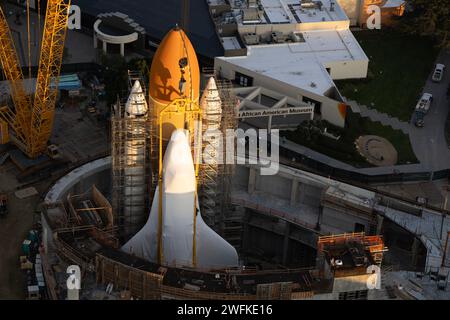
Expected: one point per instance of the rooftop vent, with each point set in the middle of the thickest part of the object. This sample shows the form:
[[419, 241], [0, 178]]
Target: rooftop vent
[[278, 37], [251, 39], [308, 4], [297, 37]]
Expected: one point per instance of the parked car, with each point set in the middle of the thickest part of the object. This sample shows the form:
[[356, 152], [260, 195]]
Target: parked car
[[421, 200], [420, 119], [438, 72], [424, 103]]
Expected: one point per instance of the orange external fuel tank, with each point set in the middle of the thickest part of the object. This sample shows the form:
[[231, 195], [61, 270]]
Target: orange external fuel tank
[[174, 74]]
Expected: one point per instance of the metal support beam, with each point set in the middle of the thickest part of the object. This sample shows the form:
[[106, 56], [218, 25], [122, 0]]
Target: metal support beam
[[252, 181], [287, 232], [294, 192]]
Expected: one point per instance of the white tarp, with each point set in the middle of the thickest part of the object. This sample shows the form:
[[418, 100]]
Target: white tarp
[[178, 199]]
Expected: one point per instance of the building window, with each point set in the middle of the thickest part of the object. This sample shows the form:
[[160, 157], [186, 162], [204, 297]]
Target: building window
[[354, 295], [243, 80], [317, 105], [359, 227]]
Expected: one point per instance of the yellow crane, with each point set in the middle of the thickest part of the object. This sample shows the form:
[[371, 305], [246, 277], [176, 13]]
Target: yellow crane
[[31, 121]]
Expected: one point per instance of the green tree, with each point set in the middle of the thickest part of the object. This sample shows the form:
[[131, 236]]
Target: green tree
[[116, 77], [141, 65], [431, 18]]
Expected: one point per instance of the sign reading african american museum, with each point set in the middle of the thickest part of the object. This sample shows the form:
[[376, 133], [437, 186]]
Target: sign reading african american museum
[[275, 112]]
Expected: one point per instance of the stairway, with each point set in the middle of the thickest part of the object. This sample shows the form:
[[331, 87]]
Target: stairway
[[381, 117]]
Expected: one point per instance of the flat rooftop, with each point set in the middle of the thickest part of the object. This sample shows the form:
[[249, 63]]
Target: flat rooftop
[[294, 12], [303, 64]]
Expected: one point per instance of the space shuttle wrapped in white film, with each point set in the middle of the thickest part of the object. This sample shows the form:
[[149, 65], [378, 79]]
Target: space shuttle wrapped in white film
[[179, 201], [175, 233]]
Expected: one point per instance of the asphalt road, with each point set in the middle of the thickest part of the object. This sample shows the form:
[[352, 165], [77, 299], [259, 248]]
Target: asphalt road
[[429, 142]]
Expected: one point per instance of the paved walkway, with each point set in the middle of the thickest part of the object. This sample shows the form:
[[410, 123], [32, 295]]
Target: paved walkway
[[372, 171], [377, 116]]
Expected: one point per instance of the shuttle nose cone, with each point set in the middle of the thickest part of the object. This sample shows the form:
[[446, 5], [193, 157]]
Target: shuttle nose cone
[[166, 73], [178, 165], [136, 104]]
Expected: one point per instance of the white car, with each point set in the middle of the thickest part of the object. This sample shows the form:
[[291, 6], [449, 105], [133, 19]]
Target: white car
[[424, 103], [438, 73]]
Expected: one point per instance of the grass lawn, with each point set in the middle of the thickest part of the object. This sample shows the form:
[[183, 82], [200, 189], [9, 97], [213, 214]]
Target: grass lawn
[[345, 150], [398, 69]]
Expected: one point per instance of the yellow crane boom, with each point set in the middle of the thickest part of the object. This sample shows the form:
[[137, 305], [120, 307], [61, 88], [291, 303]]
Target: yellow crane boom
[[52, 49], [32, 122], [19, 118]]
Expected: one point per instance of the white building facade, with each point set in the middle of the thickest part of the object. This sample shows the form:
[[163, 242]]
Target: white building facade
[[297, 48]]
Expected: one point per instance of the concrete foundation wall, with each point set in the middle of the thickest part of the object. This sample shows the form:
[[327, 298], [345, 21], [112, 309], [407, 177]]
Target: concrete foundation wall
[[274, 185], [240, 178], [282, 242], [310, 195], [47, 235], [337, 222], [80, 180]]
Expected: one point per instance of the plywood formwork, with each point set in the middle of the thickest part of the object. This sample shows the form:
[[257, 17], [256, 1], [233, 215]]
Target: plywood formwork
[[149, 286], [159, 284], [374, 244]]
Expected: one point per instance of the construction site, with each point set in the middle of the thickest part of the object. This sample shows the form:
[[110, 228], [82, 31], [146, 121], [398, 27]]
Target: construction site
[[149, 204]]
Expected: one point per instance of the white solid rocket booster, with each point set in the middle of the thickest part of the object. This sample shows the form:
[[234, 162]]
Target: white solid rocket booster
[[179, 202], [211, 105], [135, 151]]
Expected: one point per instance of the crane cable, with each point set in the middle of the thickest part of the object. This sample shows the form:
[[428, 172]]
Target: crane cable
[[29, 39], [39, 22]]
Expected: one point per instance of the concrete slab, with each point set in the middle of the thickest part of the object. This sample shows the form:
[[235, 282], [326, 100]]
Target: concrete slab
[[26, 193]]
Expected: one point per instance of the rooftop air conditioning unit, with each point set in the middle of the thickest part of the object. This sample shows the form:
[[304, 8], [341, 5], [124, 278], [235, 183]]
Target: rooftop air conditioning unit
[[296, 37], [251, 39], [278, 37]]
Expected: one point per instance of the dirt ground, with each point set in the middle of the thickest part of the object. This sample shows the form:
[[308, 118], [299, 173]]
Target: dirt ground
[[13, 230], [78, 141]]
